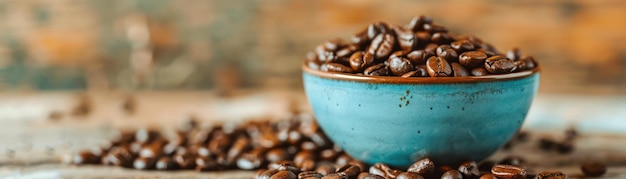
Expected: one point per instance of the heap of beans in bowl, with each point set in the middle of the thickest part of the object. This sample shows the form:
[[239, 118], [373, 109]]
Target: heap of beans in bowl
[[419, 49]]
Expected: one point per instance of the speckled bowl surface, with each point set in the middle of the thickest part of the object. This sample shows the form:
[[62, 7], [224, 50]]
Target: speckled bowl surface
[[400, 120]]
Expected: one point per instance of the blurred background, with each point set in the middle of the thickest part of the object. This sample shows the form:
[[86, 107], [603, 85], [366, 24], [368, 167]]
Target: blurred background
[[221, 44]]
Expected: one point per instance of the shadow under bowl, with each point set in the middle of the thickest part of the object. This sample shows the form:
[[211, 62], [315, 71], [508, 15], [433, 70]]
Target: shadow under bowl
[[397, 120]]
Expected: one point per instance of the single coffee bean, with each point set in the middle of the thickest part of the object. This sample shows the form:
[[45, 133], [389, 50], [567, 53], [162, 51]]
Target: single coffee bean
[[284, 166], [361, 37], [508, 171], [377, 70], [418, 57], [434, 28], [431, 48], [252, 159], [438, 67], [372, 31], [325, 169], [347, 51], [241, 143], [452, 174], [266, 174], [417, 23], [309, 175], [361, 60], [384, 170], [447, 53], [480, 71], [440, 38], [488, 176], [499, 64], [409, 74], [166, 163], [119, 156], [328, 154], [333, 44], [406, 38], [276, 154], [326, 56], [335, 67], [469, 169], [343, 159], [302, 156], [593, 169], [423, 38], [472, 59], [422, 166], [458, 70], [307, 165], [528, 62], [382, 46], [382, 27], [399, 66], [462, 46], [351, 171], [514, 54], [85, 157], [399, 53], [144, 163], [409, 175], [513, 160], [551, 175], [336, 176], [284, 175]]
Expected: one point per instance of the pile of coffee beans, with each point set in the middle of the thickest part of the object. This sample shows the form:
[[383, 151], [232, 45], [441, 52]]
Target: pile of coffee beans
[[418, 49]]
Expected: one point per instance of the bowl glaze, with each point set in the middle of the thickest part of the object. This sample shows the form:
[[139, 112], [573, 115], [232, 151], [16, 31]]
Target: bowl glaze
[[398, 120]]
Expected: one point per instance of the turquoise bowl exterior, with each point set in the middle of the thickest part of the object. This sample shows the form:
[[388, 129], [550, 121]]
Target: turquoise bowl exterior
[[398, 123]]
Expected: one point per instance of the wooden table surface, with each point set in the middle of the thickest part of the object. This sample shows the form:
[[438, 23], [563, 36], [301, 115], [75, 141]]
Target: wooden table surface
[[34, 146]]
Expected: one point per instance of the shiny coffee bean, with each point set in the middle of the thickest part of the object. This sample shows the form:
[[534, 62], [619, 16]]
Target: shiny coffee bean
[[462, 46], [351, 171], [284, 166], [422, 166], [144, 163], [309, 175], [343, 159], [431, 48], [307, 165], [551, 175], [366, 175], [276, 154], [458, 70], [382, 46], [325, 169], [377, 70], [85, 157], [328, 154], [434, 28], [452, 174], [302, 156], [347, 51], [361, 60], [409, 175], [166, 163], [508, 171], [360, 38], [422, 38], [335, 67], [418, 57], [399, 53], [266, 174], [499, 64], [284, 175], [469, 169], [447, 53], [479, 72], [528, 62], [372, 31], [384, 170], [593, 168], [399, 66], [406, 38], [440, 38], [336, 176], [514, 54], [252, 159], [488, 176], [333, 44], [417, 23], [438, 67], [472, 59]]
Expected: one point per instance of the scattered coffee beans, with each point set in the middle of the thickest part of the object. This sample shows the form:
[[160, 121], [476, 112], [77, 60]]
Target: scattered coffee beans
[[392, 50]]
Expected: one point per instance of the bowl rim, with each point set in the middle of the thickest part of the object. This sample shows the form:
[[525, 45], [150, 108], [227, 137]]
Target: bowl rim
[[419, 80]]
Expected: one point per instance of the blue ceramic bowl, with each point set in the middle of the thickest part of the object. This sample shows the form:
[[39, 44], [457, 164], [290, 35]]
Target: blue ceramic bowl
[[398, 120]]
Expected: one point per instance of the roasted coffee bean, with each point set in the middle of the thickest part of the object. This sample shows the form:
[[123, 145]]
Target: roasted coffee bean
[[417, 23], [361, 60], [361, 37], [434, 28], [276, 154], [325, 169], [152, 150], [480, 71], [144, 163], [327, 57], [309, 175], [447, 53], [514, 54], [440, 38], [422, 166], [593, 169], [399, 66], [384, 170], [336, 176], [438, 67], [166, 163], [452, 174], [266, 174], [85, 157], [469, 169], [372, 31], [347, 51], [333, 44], [119, 156], [377, 70], [423, 38], [382, 27], [284, 166], [284, 175], [206, 164], [366, 175], [307, 165], [508, 171], [409, 175], [458, 70], [472, 59], [406, 38], [526, 62], [431, 48], [252, 159], [462, 46], [343, 159], [144, 135], [551, 175], [499, 64], [382, 46], [418, 57], [485, 166], [488, 176], [335, 67], [399, 53], [359, 164], [241, 144], [513, 160], [219, 142], [184, 159], [351, 171]]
